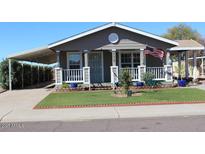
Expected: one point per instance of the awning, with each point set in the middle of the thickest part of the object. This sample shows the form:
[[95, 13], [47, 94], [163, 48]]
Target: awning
[[187, 45], [42, 55]]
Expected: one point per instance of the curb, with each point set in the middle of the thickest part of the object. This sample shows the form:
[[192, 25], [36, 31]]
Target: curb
[[117, 105]]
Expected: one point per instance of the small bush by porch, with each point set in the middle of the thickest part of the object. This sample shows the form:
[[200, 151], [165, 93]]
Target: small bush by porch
[[55, 100]]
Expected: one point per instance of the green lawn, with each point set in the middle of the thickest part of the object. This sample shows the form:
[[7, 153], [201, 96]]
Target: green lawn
[[104, 97]]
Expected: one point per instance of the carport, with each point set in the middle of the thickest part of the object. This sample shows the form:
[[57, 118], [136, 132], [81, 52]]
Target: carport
[[42, 55]]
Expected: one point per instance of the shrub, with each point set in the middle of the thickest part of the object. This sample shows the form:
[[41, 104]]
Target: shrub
[[148, 79], [125, 80], [29, 77]]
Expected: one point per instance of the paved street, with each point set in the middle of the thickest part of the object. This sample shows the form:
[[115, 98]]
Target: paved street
[[166, 124]]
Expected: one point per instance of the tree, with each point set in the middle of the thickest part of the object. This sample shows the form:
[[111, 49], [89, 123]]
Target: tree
[[182, 32]]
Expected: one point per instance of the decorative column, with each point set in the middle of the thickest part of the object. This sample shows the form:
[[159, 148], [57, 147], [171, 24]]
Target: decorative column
[[194, 66], [168, 68], [168, 58], [142, 67], [142, 57], [58, 58], [114, 69], [58, 76], [58, 70], [186, 65], [86, 69], [113, 57], [10, 77], [86, 58]]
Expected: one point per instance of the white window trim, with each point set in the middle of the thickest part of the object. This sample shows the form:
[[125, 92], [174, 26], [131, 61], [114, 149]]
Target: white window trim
[[130, 52], [81, 59]]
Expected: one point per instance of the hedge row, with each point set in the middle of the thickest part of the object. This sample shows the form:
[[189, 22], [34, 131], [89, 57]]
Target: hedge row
[[23, 76]]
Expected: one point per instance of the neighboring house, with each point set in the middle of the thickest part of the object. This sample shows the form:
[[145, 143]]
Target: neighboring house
[[100, 54], [189, 60]]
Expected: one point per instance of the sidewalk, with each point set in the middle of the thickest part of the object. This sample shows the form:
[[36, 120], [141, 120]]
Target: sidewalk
[[16, 106], [104, 113]]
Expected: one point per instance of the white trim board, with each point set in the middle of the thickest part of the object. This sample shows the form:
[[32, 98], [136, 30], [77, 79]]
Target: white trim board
[[186, 48], [112, 25]]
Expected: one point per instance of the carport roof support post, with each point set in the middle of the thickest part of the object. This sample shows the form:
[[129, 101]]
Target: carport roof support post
[[10, 78]]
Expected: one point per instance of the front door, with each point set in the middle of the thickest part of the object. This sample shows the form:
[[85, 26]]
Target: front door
[[95, 63]]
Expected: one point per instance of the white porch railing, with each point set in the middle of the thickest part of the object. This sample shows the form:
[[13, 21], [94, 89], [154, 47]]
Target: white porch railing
[[72, 75], [132, 71], [158, 72]]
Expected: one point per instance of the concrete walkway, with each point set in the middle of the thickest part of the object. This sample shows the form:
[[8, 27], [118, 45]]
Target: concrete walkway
[[16, 106]]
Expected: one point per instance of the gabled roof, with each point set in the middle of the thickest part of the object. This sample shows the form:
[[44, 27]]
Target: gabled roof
[[109, 25], [187, 45]]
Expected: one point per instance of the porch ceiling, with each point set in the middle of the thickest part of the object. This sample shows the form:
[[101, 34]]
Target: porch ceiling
[[42, 55]]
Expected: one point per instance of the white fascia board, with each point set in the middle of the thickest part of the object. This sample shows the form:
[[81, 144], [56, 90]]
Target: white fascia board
[[81, 35], [147, 34], [113, 25], [186, 48], [28, 51]]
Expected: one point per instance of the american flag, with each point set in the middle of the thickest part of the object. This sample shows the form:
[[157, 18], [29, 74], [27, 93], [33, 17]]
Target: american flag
[[155, 52]]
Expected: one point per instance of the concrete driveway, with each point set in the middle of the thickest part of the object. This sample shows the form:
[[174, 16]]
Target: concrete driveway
[[20, 100]]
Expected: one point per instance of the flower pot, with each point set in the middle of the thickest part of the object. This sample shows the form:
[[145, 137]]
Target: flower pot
[[182, 83], [73, 85], [140, 84]]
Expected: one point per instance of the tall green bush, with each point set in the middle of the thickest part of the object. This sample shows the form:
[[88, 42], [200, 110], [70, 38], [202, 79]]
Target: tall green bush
[[30, 75]]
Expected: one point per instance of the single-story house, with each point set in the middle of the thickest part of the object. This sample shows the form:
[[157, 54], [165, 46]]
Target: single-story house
[[100, 54]]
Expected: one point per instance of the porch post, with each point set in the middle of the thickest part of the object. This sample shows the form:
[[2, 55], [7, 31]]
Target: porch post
[[86, 69], [142, 67], [58, 70], [113, 57], [114, 69], [58, 76], [168, 58], [142, 57], [194, 66], [86, 57], [179, 64], [186, 65], [58, 57], [10, 78]]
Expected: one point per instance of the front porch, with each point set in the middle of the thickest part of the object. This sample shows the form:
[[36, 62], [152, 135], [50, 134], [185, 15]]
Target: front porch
[[90, 67]]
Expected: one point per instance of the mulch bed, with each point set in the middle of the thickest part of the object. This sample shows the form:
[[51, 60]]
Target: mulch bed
[[117, 105]]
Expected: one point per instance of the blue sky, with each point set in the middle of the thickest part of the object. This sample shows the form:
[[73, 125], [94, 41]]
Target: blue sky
[[17, 37]]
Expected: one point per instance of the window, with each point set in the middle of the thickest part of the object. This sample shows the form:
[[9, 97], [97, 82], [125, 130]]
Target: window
[[74, 61], [130, 59], [126, 60], [136, 59]]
